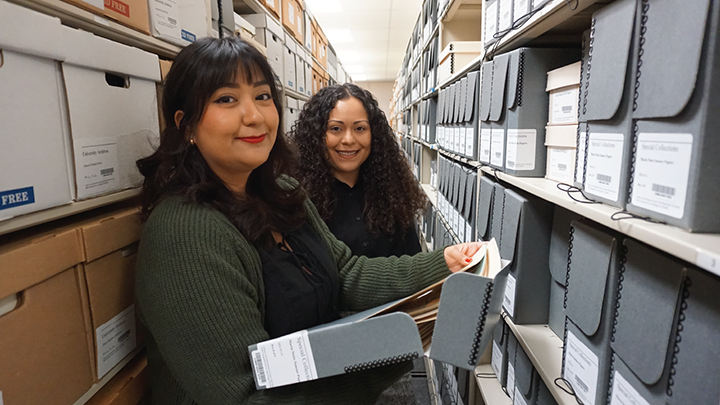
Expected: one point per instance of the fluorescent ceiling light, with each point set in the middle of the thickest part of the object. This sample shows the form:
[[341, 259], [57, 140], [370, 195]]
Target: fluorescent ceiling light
[[324, 6], [348, 56], [354, 69], [359, 78], [341, 36]]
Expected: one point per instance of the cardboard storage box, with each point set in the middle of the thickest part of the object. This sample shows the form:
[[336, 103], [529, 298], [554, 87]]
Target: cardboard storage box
[[132, 13], [112, 105], [456, 56], [109, 268], [293, 18], [35, 162], [308, 27], [128, 386], [563, 86], [44, 345], [273, 6], [560, 141], [271, 35]]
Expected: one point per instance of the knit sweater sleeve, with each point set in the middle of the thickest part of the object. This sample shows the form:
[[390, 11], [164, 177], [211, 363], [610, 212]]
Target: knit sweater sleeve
[[200, 294], [369, 282]]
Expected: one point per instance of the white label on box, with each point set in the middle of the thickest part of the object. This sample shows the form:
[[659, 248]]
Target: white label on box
[[469, 237], [115, 339], [662, 167], [521, 149], [469, 141], [298, 22], [166, 17], [497, 140], [518, 398], [101, 20], [96, 166], [623, 393], [491, 21], [604, 165], [509, 299], [708, 261], [291, 13], [580, 163], [285, 360], [96, 3], [497, 357], [564, 106], [581, 369], [505, 14], [561, 164], [270, 3], [462, 142], [485, 136], [510, 386], [521, 8]]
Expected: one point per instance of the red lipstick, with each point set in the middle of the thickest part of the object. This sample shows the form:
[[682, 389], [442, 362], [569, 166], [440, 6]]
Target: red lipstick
[[253, 139]]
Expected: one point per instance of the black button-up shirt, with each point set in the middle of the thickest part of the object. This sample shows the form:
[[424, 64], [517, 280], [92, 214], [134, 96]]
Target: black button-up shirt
[[348, 225]]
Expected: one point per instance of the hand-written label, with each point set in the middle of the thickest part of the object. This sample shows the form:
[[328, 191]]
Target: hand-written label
[[623, 393], [497, 357], [581, 369], [604, 165], [564, 106], [510, 386], [485, 138], [520, 153], [115, 339], [509, 298], [662, 168], [497, 147], [96, 166], [285, 360], [580, 161], [518, 398]]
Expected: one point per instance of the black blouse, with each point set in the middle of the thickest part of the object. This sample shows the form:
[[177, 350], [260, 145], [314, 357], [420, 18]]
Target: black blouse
[[301, 283], [348, 225]]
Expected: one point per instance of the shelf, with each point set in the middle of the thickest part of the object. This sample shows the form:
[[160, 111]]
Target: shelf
[[78, 18], [296, 95], [107, 377], [429, 94], [544, 349], [702, 250], [462, 72], [465, 9], [431, 194], [434, 32], [36, 218], [490, 387], [459, 158], [553, 16]]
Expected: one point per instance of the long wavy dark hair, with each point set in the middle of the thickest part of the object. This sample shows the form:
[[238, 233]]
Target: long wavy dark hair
[[177, 168], [393, 197]]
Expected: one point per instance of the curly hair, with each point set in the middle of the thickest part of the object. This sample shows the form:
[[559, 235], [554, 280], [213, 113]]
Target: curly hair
[[177, 168], [393, 196]]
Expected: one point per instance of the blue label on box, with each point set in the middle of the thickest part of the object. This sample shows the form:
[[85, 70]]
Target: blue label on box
[[17, 197], [188, 36]]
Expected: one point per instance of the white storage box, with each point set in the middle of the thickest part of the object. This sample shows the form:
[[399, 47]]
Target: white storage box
[[289, 52], [560, 141], [456, 56], [113, 111], [35, 154], [194, 15], [291, 113], [271, 35], [165, 20], [563, 84]]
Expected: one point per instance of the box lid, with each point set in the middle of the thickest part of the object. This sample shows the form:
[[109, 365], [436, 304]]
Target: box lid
[[485, 87], [26, 31], [500, 72], [110, 232], [264, 21], [87, 50], [565, 76], [244, 24], [290, 42], [564, 136], [670, 59]]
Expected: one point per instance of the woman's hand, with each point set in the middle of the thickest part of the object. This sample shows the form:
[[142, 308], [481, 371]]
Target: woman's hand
[[460, 255]]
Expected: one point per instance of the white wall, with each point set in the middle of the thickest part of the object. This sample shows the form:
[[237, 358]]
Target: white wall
[[382, 92]]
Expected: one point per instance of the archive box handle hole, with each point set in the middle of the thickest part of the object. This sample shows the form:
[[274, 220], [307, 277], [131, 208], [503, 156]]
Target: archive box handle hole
[[10, 303], [117, 81]]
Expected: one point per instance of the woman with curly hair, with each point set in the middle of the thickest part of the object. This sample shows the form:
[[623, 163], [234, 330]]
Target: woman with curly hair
[[355, 173]]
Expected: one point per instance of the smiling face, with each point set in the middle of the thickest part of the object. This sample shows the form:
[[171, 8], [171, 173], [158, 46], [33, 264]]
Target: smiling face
[[237, 130], [348, 139]]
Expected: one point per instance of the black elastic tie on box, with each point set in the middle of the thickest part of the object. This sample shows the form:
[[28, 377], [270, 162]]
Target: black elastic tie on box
[[569, 4], [485, 375], [570, 189], [623, 214], [568, 389], [519, 22]]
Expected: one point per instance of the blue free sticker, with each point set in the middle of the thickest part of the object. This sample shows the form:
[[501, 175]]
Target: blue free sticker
[[188, 36], [17, 197]]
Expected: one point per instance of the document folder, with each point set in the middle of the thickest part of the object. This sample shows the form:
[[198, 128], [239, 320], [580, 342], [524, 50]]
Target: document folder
[[526, 379], [484, 212], [591, 294], [558, 264], [498, 125], [675, 172], [500, 341]]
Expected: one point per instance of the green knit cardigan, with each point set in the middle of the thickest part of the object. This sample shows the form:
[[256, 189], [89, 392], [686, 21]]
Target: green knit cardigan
[[200, 295]]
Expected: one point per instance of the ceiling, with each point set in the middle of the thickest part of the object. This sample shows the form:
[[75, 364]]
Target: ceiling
[[370, 37]]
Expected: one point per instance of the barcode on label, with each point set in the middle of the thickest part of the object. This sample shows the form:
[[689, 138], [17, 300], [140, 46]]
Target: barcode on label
[[567, 108], [506, 301], [259, 368], [603, 178], [511, 163], [663, 190], [498, 154], [107, 172], [582, 385], [562, 166]]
